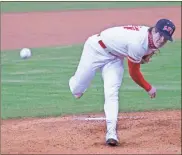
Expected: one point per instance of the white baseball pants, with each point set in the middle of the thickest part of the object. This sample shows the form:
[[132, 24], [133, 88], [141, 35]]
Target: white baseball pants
[[94, 58]]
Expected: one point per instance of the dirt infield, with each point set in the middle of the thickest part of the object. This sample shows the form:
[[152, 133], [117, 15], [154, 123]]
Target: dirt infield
[[153, 132], [68, 27]]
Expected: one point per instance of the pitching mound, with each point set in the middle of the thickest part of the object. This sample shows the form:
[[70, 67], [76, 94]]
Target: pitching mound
[[142, 132]]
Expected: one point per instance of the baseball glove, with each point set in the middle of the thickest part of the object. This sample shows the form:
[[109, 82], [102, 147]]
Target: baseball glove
[[147, 58]]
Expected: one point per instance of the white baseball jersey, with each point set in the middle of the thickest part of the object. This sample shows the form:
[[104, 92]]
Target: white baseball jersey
[[128, 41]]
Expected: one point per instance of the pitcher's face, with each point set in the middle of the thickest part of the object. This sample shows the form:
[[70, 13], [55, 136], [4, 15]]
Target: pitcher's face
[[159, 40]]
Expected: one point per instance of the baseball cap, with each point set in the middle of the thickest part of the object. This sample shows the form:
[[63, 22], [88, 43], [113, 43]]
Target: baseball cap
[[166, 28]]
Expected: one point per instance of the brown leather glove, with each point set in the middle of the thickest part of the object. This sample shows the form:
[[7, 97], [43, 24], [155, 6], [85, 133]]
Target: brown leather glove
[[146, 58]]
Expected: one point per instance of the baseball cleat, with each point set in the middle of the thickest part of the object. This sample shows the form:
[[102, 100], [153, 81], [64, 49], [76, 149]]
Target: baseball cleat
[[78, 95], [111, 138], [112, 142]]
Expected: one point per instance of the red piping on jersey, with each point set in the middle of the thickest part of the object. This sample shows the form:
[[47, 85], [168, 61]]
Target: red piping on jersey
[[136, 75], [131, 58]]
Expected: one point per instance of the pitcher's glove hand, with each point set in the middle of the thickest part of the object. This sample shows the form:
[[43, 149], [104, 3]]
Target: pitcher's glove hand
[[146, 58]]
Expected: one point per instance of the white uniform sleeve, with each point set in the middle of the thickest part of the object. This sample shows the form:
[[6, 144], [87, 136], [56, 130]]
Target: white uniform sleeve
[[135, 53]]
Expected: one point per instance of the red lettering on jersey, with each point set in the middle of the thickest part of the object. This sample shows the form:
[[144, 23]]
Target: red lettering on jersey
[[134, 28]]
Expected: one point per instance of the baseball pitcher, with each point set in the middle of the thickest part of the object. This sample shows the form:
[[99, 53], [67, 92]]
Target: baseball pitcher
[[106, 51]]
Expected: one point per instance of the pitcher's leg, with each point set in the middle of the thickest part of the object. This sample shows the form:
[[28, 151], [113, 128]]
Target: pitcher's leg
[[80, 81], [112, 75], [85, 72]]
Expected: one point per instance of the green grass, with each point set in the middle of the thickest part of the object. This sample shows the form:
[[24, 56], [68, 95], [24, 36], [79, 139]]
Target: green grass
[[54, 6], [39, 86]]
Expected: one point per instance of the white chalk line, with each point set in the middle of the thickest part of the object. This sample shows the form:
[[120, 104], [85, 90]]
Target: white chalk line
[[103, 118]]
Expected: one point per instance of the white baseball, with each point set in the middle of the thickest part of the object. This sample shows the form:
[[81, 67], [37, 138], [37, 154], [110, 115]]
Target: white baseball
[[25, 53]]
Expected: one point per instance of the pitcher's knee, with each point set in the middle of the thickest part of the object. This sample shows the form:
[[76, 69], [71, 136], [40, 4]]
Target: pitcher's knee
[[111, 91], [112, 94], [75, 88], [72, 85], [111, 97]]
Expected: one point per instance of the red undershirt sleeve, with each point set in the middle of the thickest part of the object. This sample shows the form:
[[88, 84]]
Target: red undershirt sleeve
[[136, 75]]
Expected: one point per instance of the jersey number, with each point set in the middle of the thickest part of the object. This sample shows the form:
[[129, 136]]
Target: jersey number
[[134, 28]]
